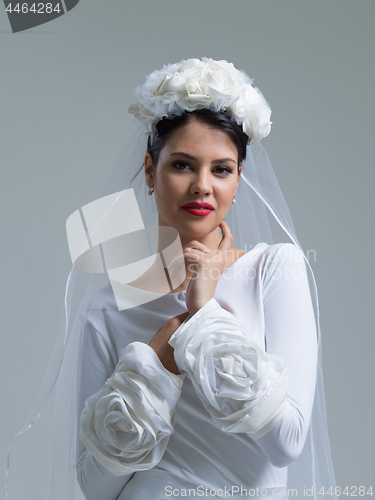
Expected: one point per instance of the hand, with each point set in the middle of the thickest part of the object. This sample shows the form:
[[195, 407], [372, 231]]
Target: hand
[[207, 266], [159, 342]]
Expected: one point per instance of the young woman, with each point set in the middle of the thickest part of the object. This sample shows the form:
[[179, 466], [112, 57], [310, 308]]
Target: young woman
[[207, 390], [205, 386]]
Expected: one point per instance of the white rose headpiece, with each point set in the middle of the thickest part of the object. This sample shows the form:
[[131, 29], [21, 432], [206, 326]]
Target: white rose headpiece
[[208, 84]]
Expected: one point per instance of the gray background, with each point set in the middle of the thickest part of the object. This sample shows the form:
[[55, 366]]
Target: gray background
[[65, 89]]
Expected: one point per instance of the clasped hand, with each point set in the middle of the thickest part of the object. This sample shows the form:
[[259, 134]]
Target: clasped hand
[[203, 269]]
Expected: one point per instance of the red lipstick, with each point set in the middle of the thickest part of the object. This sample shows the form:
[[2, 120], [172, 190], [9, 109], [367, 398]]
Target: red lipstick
[[200, 209]]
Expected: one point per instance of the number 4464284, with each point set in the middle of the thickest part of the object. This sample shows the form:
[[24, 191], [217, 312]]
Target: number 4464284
[[35, 8], [350, 491]]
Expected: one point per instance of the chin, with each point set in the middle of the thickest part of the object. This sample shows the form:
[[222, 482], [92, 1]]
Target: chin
[[196, 233], [194, 229]]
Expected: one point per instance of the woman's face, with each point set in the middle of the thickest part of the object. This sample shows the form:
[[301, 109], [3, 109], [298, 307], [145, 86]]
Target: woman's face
[[197, 165]]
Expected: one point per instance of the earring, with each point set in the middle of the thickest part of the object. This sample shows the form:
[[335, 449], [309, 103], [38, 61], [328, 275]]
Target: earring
[[150, 191], [233, 201]]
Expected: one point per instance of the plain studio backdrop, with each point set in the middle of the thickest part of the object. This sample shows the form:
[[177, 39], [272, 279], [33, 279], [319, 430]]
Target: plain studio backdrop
[[65, 90]]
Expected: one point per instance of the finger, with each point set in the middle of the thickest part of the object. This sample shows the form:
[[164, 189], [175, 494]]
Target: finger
[[189, 248], [193, 254], [227, 239], [198, 246]]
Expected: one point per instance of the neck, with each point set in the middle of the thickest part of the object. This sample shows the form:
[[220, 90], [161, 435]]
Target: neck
[[211, 240]]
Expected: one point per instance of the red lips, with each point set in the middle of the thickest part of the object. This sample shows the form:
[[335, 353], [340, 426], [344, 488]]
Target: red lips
[[198, 204], [199, 209]]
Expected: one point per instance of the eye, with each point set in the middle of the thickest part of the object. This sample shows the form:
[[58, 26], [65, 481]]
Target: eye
[[180, 165], [223, 171]]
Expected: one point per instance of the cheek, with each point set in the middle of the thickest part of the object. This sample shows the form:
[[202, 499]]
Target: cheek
[[226, 194], [166, 181], [171, 185], [169, 191]]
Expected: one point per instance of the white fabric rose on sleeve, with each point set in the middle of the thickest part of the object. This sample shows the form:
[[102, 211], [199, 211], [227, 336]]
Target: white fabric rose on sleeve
[[127, 425], [242, 386]]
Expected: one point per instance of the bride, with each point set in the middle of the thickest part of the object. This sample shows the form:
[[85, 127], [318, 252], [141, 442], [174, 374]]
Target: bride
[[206, 390], [210, 384]]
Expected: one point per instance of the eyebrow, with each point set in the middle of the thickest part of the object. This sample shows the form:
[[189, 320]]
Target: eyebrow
[[190, 157]]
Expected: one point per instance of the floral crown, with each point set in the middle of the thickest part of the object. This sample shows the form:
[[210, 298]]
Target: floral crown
[[207, 84]]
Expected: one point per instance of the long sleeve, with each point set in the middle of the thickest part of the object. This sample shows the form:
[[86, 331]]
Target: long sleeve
[[128, 413], [291, 334], [266, 393]]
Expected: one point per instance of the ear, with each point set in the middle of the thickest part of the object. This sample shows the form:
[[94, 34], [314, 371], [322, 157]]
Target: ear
[[149, 170]]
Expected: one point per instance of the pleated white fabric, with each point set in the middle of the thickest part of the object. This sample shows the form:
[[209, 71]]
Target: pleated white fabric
[[126, 426], [243, 388]]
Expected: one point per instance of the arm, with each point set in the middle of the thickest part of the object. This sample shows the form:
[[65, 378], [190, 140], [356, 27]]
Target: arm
[[95, 365], [128, 413], [244, 387], [291, 335]]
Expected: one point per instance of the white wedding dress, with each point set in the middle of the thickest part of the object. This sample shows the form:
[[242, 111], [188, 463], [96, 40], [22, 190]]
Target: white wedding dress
[[235, 418]]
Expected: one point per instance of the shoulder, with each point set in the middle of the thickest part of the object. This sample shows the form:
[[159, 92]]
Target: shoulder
[[101, 301], [278, 253], [266, 260], [281, 263], [97, 318], [283, 252], [263, 252]]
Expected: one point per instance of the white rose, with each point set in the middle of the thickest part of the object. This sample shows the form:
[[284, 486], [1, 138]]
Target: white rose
[[191, 65], [241, 385], [194, 101], [239, 108], [217, 81], [192, 68], [174, 84], [195, 84], [127, 424], [193, 87]]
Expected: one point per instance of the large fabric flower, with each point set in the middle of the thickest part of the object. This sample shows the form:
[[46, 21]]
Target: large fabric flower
[[242, 386], [127, 425]]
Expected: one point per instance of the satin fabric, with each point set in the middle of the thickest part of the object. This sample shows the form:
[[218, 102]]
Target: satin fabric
[[264, 298]]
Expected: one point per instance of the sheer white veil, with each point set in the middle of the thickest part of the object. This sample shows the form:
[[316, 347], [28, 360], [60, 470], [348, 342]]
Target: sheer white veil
[[260, 214]]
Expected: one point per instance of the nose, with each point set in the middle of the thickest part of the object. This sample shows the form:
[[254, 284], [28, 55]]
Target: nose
[[201, 183]]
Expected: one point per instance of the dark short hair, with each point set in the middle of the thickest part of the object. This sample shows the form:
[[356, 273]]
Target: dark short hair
[[217, 120]]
